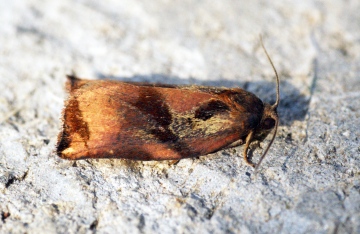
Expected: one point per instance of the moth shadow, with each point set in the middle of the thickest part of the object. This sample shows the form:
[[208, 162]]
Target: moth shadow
[[293, 105]]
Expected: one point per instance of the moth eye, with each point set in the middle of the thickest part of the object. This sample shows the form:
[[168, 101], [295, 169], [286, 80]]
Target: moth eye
[[268, 123]]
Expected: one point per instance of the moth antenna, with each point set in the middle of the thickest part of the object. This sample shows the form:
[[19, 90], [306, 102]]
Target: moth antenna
[[268, 147], [275, 105]]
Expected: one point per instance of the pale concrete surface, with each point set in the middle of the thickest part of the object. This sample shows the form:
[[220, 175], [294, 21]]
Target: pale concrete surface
[[309, 182]]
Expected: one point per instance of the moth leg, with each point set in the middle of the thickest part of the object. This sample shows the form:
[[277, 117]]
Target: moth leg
[[234, 144], [248, 141], [174, 162], [257, 145]]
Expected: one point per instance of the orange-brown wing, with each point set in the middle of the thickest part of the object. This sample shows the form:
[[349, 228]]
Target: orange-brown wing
[[105, 119]]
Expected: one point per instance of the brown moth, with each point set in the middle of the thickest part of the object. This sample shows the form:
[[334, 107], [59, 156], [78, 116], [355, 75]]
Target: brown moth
[[141, 121]]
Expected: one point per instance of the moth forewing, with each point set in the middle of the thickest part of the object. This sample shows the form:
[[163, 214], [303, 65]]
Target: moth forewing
[[140, 121]]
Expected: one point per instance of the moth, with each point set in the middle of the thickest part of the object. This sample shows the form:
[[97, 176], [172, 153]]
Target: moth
[[142, 121]]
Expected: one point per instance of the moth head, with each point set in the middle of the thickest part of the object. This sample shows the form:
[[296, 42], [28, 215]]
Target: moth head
[[268, 122]]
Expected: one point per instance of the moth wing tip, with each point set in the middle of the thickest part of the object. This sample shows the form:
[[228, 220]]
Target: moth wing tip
[[72, 83], [71, 77]]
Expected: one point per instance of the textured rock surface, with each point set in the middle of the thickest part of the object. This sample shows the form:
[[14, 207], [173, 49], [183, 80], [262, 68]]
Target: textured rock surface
[[310, 180]]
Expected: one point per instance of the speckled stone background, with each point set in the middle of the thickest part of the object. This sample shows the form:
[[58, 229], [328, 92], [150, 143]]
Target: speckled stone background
[[310, 180]]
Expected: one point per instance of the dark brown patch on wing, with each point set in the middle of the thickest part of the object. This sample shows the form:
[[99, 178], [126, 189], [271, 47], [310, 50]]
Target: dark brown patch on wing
[[63, 141], [209, 109], [152, 104], [73, 124]]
